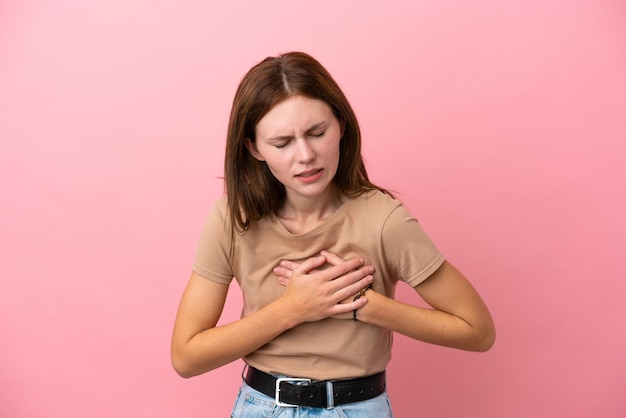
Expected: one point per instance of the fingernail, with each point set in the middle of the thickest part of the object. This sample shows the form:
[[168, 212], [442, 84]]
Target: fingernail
[[323, 252]]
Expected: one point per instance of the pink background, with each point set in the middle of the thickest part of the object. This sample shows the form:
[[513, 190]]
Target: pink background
[[499, 123]]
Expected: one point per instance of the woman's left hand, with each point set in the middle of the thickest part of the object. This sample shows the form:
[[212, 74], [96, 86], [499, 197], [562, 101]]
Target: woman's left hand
[[286, 267]]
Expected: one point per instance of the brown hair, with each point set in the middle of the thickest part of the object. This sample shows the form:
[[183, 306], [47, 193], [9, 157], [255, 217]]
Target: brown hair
[[252, 191]]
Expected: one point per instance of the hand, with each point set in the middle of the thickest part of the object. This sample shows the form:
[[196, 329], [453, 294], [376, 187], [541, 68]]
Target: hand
[[286, 269]]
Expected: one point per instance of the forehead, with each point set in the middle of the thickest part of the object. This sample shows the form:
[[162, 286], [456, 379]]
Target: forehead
[[295, 114]]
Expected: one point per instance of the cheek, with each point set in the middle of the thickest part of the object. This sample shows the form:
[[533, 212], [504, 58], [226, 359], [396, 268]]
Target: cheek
[[334, 150], [277, 167]]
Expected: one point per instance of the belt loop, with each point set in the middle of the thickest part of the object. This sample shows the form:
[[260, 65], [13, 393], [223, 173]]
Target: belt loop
[[330, 395]]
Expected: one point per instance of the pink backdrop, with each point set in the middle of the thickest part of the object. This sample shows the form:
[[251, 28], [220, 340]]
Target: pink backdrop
[[499, 123]]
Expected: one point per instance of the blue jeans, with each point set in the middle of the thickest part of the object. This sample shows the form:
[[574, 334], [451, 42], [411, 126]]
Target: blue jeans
[[251, 403]]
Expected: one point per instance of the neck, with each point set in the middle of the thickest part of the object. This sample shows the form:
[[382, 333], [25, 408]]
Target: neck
[[298, 208]]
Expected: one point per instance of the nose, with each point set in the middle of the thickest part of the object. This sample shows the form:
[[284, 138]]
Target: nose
[[305, 152]]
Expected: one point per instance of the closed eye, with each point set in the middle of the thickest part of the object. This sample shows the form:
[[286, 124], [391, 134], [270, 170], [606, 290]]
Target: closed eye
[[281, 145]]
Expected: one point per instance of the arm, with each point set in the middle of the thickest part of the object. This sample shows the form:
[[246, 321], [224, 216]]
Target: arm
[[458, 318], [198, 345]]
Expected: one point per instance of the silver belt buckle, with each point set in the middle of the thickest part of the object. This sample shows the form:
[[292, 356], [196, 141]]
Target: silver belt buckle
[[286, 379]]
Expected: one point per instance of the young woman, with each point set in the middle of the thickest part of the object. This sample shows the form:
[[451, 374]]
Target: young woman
[[317, 250]]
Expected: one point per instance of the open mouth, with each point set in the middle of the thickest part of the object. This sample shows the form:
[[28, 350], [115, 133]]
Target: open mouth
[[309, 173]]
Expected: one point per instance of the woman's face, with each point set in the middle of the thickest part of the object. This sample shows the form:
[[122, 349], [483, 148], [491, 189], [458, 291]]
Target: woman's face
[[299, 140]]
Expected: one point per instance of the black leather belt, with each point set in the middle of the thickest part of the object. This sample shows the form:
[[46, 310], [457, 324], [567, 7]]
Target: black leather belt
[[309, 392]]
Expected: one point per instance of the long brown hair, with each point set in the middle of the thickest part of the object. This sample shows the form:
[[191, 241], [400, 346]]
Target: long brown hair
[[252, 191]]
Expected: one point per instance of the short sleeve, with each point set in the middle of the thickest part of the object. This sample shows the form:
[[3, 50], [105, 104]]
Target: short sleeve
[[409, 252], [212, 259]]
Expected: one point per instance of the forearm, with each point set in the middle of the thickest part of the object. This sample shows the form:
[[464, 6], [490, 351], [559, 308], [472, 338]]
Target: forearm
[[198, 345], [217, 346], [428, 325]]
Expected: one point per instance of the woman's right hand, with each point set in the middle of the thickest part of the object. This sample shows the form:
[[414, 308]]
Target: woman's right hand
[[200, 345]]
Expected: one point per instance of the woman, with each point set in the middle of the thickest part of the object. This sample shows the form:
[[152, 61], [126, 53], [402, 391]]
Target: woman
[[317, 250]]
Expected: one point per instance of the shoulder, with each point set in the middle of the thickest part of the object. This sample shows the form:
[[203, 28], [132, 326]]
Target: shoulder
[[377, 201], [218, 216], [370, 210], [221, 206], [385, 208]]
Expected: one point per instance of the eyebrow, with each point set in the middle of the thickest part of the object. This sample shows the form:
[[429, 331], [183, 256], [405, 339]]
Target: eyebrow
[[312, 128]]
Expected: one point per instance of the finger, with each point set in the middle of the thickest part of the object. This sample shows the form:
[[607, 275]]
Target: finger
[[349, 306], [310, 264], [350, 277], [343, 268], [282, 272], [332, 258], [351, 288], [288, 264], [282, 277]]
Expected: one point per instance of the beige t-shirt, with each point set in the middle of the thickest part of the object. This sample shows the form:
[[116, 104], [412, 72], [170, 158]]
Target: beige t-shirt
[[374, 226]]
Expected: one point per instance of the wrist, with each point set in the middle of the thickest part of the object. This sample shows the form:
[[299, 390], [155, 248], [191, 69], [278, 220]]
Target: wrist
[[367, 314], [357, 297], [287, 313]]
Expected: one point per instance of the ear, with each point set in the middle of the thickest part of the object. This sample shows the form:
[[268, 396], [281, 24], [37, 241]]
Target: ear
[[251, 146], [342, 127]]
